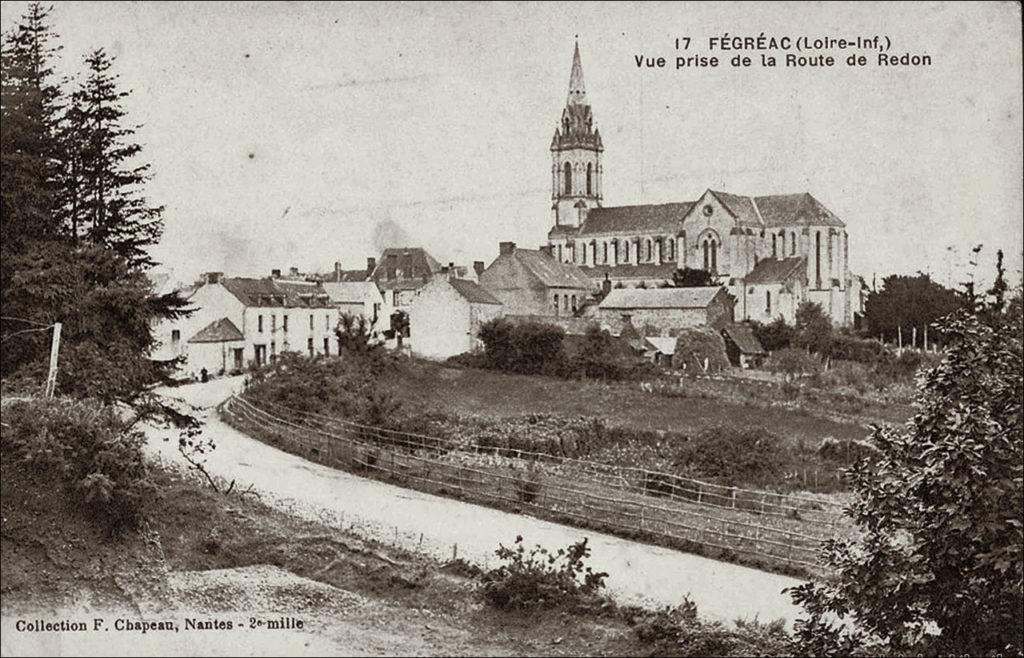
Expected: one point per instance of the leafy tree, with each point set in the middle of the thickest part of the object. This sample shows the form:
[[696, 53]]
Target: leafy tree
[[775, 335], [793, 362], [107, 311], [907, 302], [688, 277], [105, 186], [937, 565], [400, 326], [355, 335], [30, 107], [813, 329]]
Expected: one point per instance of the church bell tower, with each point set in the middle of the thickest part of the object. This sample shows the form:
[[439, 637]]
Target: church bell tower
[[575, 155]]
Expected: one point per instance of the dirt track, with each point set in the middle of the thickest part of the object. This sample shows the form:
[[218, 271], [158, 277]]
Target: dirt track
[[640, 573]]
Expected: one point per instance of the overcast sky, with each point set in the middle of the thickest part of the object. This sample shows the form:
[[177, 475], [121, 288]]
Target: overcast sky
[[300, 134]]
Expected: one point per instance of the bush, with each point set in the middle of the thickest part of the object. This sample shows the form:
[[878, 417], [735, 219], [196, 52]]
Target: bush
[[678, 632], [861, 350], [529, 348], [540, 579], [793, 362], [87, 449], [776, 335]]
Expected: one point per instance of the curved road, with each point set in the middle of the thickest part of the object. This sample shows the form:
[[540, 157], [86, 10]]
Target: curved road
[[640, 573]]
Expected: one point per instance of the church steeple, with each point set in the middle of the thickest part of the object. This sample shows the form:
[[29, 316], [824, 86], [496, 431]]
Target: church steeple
[[575, 155], [577, 92]]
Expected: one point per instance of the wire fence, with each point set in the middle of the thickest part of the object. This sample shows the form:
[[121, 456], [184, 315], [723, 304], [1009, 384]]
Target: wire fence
[[691, 514]]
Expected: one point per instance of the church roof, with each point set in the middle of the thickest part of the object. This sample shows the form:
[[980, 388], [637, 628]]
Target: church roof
[[218, 331], [639, 219], [776, 270], [473, 293], [778, 210], [626, 298], [630, 271]]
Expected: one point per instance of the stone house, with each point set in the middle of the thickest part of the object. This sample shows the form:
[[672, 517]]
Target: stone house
[[445, 317], [533, 282], [667, 309]]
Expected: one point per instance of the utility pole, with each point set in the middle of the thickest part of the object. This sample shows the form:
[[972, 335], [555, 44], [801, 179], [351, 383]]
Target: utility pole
[[51, 377]]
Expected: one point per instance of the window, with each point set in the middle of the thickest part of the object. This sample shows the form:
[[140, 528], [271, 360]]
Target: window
[[707, 256], [775, 251], [650, 250], [309, 345], [327, 322], [273, 323], [284, 322], [259, 324], [768, 301], [574, 303], [590, 171], [175, 338], [604, 256], [817, 259], [559, 253], [565, 303], [714, 256], [394, 298], [273, 350], [625, 251], [568, 178], [792, 244], [669, 247], [327, 346], [556, 304], [311, 322]]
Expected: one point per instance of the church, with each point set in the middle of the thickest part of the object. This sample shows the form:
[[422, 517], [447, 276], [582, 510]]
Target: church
[[771, 252]]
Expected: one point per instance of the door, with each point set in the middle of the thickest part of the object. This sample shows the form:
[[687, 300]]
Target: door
[[238, 358]]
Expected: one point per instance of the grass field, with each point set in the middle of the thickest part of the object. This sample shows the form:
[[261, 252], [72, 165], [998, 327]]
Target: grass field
[[429, 386]]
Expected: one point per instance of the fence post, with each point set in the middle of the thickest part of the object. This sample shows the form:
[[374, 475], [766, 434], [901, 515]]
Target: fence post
[[455, 551], [733, 497], [763, 496], [700, 492]]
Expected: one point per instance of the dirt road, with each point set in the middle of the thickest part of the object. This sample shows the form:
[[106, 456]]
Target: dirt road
[[640, 573]]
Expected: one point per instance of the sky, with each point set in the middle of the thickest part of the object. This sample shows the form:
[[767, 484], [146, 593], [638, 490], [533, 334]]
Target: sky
[[300, 134]]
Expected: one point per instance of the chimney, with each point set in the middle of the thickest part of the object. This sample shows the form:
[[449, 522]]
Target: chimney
[[337, 271], [506, 248], [371, 265], [545, 249], [606, 285], [213, 277], [452, 274], [392, 266], [275, 274], [478, 267]]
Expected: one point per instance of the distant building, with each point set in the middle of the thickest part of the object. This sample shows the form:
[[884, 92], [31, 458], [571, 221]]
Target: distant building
[[359, 298], [663, 310], [742, 346], [533, 282], [217, 348], [728, 235], [341, 275], [445, 317]]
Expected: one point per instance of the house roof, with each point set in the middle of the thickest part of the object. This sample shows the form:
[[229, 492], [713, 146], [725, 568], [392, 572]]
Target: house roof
[[408, 263], [778, 210], [351, 292], [664, 344], [626, 298], [776, 270], [344, 276], [663, 217], [744, 338], [473, 293], [276, 293], [218, 331], [550, 271]]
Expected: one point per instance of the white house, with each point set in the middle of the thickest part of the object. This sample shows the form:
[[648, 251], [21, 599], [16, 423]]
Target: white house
[[361, 298], [445, 317]]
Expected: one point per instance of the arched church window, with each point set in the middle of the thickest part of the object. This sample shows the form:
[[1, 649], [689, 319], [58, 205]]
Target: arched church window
[[768, 301], [668, 248], [792, 244], [649, 249], [714, 256], [568, 178], [775, 252], [604, 254], [590, 173], [817, 258], [707, 255]]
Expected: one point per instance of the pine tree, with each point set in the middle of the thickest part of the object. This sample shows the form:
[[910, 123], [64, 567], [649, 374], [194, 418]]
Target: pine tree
[[110, 207], [30, 107]]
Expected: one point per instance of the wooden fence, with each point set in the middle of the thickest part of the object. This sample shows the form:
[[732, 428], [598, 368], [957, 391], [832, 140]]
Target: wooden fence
[[691, 514]]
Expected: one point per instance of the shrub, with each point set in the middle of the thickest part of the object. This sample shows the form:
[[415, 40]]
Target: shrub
[[87, 449], [793, 362], [527, 348], [540, 579], [861, 350], [734, 454], [775, 335], [678, 632]]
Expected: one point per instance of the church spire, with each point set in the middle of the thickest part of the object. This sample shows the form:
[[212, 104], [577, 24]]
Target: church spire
[[577, 94]]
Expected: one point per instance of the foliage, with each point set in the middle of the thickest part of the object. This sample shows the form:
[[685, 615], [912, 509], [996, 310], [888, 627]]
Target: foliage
[[527, 348], [87, 450], [698, 348], [813, 329], [861, 350], [600, 356], [908, 302], [678, 632], [938, 565], [541, 579], [400, 326], [775, 335], [349, 387], [793, 362], [688, 277], [355, 336]]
